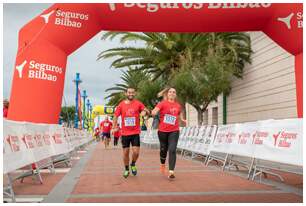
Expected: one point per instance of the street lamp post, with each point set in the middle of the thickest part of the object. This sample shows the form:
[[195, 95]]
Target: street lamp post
[[88, 104], [77, 81], [90, 110], [84, 100]]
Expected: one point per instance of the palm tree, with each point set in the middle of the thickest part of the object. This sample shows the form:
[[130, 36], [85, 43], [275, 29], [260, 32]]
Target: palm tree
[[160, 57], [140, 80], [67, 114], [130, 78], [234, 47], [164, 55], [115, 99], [148, 92]]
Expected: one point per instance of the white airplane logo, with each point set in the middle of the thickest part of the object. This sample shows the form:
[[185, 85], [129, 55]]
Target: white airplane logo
[[20, 68], [287, 20], [112, 7], [46, 16]]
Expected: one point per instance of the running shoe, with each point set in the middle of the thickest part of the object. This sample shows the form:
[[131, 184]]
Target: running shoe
[[126, 173], [162, 168], [134, 170], [171, 175]]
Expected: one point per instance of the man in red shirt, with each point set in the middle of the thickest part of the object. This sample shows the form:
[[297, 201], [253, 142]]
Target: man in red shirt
[[106, 127], [130, 110]]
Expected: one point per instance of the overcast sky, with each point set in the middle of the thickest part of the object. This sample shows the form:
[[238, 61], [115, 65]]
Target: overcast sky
[[96, 75]]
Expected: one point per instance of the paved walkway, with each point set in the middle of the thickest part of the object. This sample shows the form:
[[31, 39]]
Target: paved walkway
[[97, 177]]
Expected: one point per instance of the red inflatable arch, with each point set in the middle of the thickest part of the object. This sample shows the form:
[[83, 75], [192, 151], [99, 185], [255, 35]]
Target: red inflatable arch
[[46, 41]]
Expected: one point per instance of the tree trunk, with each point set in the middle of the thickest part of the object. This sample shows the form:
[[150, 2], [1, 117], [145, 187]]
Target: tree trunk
[[184, 110], [182, 124], [200, 116]]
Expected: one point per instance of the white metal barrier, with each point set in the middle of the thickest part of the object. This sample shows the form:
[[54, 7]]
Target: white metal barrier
[[275, 142], [256, 146], [38, 146], [150, 138]]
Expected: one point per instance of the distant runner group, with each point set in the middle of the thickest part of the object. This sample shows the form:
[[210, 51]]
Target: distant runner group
[[131, 110]]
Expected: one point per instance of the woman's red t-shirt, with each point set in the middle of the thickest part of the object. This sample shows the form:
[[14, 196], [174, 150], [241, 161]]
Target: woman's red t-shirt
[[169, 116], [117, 133]]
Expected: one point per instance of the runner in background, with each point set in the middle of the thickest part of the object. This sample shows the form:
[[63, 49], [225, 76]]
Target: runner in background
[[168, 130], [117, 135], [101, 133], [106, 126], [5, 108], [97, 134], [130, 110]]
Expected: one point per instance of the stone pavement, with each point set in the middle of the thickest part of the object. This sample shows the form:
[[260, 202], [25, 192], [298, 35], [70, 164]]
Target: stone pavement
[[97, 177]]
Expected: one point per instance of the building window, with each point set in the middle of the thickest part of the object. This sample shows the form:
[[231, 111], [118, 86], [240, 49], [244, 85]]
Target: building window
[[215, 116], [205, 118]]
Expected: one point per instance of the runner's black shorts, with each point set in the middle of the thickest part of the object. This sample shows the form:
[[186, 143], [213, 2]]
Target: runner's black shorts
[[106, 134], [130, 139]]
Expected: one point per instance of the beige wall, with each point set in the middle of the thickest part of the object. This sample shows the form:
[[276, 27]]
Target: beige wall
[[191, 115], [267, 89]]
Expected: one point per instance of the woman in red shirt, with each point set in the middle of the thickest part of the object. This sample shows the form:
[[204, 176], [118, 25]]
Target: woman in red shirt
[[97, 134], [117, 135], [168, 130], [5, 108]]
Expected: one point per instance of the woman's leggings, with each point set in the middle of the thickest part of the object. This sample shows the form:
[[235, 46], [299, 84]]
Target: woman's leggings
[[115, 141], [168, 142]]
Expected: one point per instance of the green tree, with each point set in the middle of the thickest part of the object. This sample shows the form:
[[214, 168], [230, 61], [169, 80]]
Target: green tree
[[67, 114], [160, 56], [148, 91], [115, 99], [177, 58], [164, 54], [206, 76], [204, 85], [140, 80]]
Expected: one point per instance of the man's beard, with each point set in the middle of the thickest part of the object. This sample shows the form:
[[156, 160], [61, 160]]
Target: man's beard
[[130, 97]]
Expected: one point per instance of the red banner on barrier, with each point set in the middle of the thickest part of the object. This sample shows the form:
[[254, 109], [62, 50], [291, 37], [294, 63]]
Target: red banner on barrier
[[57, 138], [14, 143], [47, 139], [29, 141], [39, 140]]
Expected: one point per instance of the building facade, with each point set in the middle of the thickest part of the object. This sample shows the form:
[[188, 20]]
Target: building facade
[[267, 90]]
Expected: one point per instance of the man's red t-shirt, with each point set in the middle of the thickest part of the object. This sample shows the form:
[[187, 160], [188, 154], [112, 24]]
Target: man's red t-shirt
[[106, 126], [130, 116], [169, 116]]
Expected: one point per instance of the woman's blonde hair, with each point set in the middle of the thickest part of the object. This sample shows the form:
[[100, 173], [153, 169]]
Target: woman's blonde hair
[[164, 93]]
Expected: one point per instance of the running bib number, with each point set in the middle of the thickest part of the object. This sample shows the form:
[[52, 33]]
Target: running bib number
[[130, 121], [169, 119]]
